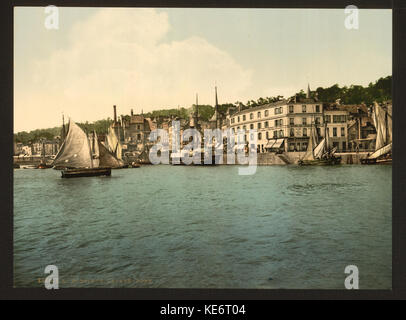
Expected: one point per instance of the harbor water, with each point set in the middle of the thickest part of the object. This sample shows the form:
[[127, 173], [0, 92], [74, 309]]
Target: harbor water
[[205, 227]]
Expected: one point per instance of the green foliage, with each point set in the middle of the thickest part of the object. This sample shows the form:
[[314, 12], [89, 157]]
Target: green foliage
[[205, 112], [379, 91], [37, 135], [159, 115], [100, 126]]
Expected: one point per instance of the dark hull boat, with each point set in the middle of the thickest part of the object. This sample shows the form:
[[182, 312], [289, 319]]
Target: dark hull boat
[[79, 155], [320, 162], [86, 172]]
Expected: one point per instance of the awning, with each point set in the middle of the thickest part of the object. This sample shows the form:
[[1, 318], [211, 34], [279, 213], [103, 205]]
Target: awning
[[278, 143], [270, 143]]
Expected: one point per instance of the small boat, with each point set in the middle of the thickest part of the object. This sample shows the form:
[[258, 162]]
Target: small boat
[[43, 166], [30, 166], [133, 165], [383, 145], [321, 155], [79, 155]]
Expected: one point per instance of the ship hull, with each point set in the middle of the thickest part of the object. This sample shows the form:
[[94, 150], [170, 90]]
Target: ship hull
[[86, 172], [320, 162]]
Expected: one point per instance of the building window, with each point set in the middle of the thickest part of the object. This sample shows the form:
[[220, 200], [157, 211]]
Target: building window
[[304, 132], [251, 116], [259, 125], [138, 136], [291, 147], [291, 121], [334, 132], [267, 135], [244, 117], [317, 108], [266, 113], [342, 132], [280, 133], [266, 124], [259, 115], [238, 119], [275, 134], [281, 121], [304, 108], [259, 135], [339, 118], [251, 126], [292, 132], [304, 121], [327, 118], [290, 109], [317, 120], [232, 120], [304, 146]]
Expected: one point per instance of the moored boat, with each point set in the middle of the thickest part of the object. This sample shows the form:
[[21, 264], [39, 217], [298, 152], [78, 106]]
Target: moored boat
[[383, 144], [321, 155]]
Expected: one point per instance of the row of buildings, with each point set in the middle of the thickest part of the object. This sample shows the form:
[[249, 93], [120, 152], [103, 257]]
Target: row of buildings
[[282, 126]]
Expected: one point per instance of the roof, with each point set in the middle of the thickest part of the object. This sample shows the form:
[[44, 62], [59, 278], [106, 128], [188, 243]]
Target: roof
[[262, 106], [351, 108]]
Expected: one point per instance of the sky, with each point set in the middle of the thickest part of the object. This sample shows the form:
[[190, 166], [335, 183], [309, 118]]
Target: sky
[[154, 58]]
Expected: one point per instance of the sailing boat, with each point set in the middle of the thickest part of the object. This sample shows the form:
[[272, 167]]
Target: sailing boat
[[78, 156], [321, 154], [383, 146], [112, 150]]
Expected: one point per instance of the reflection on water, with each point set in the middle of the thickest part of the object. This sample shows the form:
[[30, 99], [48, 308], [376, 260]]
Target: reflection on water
[[205, 227]]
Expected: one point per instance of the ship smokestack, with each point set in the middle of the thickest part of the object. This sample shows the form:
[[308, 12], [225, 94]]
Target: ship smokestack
[[115, 113]]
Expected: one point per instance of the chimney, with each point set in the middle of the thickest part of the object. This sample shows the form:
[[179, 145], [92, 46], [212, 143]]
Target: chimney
[[115, 113]]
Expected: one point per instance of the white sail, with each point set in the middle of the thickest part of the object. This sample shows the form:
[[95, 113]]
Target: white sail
[[389, 122], [381, 151], [75, 151], [113, 144], [309, 153], [320, 149], [95, 150], [379, 118]]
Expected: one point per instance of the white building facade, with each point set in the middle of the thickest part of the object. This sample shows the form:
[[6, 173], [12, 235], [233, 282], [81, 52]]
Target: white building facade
[[285, 125]]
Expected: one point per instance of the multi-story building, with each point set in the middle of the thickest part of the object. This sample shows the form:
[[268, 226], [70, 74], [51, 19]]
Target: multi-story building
[[337, 128], [285, 125]]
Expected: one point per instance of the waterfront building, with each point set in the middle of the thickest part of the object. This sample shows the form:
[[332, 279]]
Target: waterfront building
[[284, 125], [336, 120]]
